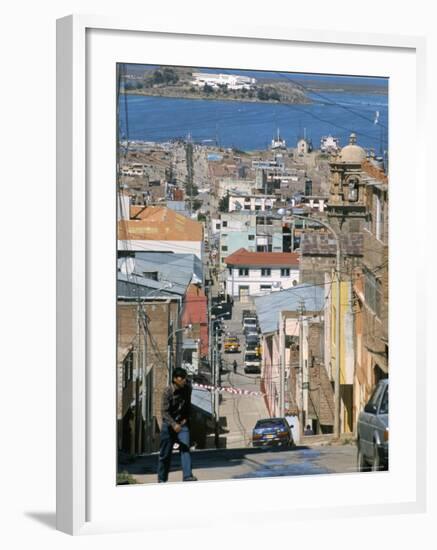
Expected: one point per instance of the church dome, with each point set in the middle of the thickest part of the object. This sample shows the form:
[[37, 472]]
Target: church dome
[[353, 152]]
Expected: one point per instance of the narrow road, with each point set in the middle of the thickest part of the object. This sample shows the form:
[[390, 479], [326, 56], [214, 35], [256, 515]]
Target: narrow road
[[247, 463], [239, 413]]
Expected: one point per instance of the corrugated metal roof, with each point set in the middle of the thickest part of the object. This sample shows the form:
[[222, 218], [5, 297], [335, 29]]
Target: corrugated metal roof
[[312, 297], [178, 268], [132, 286], [202, 399]]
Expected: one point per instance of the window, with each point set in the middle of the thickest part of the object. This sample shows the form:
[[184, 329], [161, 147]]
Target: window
[[243, 272], [230, 270], [257, 207], [264, 288], [247, 207], [373, 292], [266, 272], [383, 409], [224, 223], [285, 272], [224, 248], [217, 226], [379, 218], [251, 237], [151, 275]]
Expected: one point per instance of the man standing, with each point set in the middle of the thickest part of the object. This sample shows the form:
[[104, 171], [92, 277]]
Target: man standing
[[176, 405]]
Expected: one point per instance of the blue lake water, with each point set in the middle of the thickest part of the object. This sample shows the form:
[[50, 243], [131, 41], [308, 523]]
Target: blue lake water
[[249, 126]]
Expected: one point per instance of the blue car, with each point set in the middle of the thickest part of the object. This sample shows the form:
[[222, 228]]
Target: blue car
[[272, 432]]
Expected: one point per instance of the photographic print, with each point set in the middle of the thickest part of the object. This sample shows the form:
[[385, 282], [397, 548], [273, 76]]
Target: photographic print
[[252, 274]]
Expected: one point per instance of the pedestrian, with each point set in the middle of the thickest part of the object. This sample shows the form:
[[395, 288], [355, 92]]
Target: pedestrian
[[308, 430], [234, 364], [175, 409]]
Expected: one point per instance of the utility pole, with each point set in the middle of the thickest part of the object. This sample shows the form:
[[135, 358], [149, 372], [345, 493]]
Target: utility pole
[[190, 169], [282, 367], [337, 398], [301, 397], [216, 391]]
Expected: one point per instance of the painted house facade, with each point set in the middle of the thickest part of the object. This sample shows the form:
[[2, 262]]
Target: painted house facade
[[251, 274]]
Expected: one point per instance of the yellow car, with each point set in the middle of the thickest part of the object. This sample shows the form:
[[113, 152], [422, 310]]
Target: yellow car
[[232, 344]]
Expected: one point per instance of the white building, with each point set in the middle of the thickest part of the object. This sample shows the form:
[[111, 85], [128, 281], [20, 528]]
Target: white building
[[251, 274], [231, 81], [329, 144], [303, 147], [251, 202]]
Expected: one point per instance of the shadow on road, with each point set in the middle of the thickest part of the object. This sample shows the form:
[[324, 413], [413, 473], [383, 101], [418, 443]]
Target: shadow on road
[[211, 458]]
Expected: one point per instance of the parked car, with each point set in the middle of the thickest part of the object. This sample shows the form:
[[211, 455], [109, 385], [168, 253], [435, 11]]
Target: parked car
[[252, 339], [248, 318], [372, 431], [252, 362], [250, 329], [272, 431]]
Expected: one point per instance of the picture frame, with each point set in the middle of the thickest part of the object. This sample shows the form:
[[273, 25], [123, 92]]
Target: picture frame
[[79, 499]]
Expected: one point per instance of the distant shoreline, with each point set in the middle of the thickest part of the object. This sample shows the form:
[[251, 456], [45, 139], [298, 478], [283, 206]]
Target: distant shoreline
[[191, 95]]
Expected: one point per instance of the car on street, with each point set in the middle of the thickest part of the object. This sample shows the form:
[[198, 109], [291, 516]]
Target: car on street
[[250, 329], [252, 339], [249, 319], [372, 431], [231, 344], [272, 432], [252, 362]]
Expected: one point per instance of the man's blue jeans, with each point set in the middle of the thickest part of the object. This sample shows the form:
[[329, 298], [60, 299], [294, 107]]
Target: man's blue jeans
[[168, 438]]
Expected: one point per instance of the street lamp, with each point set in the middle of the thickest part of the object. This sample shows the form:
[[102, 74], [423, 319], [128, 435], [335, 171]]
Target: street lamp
[[337, 402]]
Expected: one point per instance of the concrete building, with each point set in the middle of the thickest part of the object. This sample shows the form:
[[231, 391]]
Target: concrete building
[[159, 229], [357, 211], [251, 274], [230, 81], [152, 340], [303, 147], [371, 290], [329, 144], [253, 203], [294, 377], [246, 229], [145, 350]]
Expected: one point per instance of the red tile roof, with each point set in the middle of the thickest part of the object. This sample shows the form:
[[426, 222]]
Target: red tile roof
[[245, 258]]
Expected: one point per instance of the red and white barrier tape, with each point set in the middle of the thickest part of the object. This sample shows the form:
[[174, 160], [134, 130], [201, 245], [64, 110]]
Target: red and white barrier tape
[[237, 391]]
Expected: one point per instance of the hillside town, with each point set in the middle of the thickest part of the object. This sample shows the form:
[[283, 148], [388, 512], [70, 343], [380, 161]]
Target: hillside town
[[264, 274]]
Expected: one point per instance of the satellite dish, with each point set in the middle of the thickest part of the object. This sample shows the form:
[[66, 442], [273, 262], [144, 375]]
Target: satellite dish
[[281, 211], [127, 265]]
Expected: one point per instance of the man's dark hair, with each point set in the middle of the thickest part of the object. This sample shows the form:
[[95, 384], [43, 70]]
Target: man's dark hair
[[179, 373]]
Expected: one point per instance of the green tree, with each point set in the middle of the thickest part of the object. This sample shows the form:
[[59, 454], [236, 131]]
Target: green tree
[[223, 205]]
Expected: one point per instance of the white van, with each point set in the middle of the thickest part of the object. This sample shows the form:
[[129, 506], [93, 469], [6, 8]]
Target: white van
[[252, 362]]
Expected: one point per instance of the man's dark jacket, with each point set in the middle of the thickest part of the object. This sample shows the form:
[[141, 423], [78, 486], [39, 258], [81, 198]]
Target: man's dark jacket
[[176, 404]]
